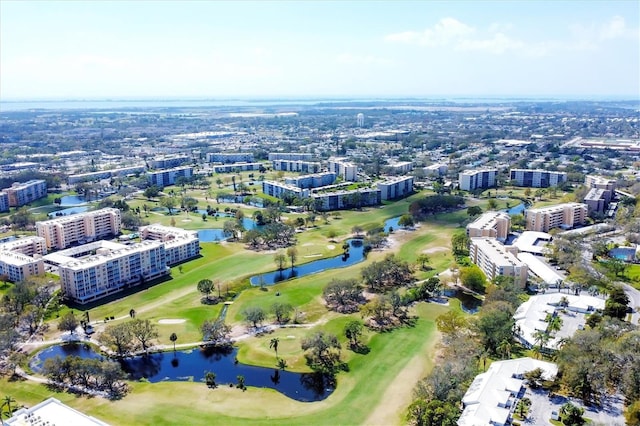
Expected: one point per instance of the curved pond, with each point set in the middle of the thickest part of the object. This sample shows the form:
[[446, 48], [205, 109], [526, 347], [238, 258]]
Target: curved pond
[[391, 224], [217, 234], [71, 200], [66, 212], [468, 302], [517, 209], [193, 364], [355, 255]]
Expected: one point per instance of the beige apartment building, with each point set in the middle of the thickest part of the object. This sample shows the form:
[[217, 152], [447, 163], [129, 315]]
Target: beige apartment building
[[22, 258], [61, 232], [179, 244], [490, 224], [495, 259], [565, 216]]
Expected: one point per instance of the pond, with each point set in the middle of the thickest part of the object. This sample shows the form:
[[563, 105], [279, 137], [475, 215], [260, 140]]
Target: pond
[[391, 224], [71, 210], [517, 209], [192, 365], [71, 200], [355, 255], [469, 303], [217, 234]]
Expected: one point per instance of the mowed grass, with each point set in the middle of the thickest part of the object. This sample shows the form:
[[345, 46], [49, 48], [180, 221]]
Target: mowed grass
[[356, 395]]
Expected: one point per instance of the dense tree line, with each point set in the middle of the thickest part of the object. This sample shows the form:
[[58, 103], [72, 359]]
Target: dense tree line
[[434, 204]]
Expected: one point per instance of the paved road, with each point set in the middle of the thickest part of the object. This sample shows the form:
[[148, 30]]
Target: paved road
[[634, 302]]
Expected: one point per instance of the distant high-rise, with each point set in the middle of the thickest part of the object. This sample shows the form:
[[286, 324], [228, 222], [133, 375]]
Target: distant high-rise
[[360, 120]]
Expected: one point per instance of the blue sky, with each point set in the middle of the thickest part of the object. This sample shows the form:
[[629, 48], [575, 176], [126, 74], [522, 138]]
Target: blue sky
[[101, 49]]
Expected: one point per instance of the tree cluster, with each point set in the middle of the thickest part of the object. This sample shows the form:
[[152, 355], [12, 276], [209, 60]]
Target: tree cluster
[[344, 296], [271, 236], [434, 204], [90, 374], [387, 274], [129, 336]]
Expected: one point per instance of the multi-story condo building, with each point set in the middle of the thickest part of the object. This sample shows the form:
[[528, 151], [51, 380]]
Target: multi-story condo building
[[228, 168], [296, 166], [400, 167], [230, 157], [61, 232], [597, 200], [109, 271], [565, 216], [105, 174], [293, 156], [29, 246], [491, 224], [169, 161], [496, 259], [23, 193], [470, 180], [179, 244], [277, 189], [395, 188], [600, 182], [4, 201], [345, 169], [168, 177], [435, 170], [17, 266], [312, 181], [537, 178], [338, 200]]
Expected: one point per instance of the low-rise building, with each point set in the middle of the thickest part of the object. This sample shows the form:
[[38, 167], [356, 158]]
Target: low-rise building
[[536, 178], [435, 170], [490, 224], [470, 180], [338, 200], [168, 177], [61, 232], [230, 157], [18, 267], [400, 167], [600, 182], [229, 168], [395, 188], [169, 161], [51, 412], [495, 259], [20, 194], [105, 174], [566, 216], [30, 246], [493, 394]]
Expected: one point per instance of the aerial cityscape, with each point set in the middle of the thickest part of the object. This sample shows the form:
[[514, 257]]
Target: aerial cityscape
[[320, 213]]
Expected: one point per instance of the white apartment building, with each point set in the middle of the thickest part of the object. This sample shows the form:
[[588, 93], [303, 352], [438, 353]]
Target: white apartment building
[[4, 201], [490, 224], [566, 216], [315, 180], [401, 167], [29, 246], [599, 182], [395, 188], [18, 266], [496, 259], [169, 161], [168, 177], [292, 156], [61, 232], [435, 170], [105, 174], [296, 166], [110, 271], [470, 180], [23, 193], [337, 200], [278, 190], [345, 169], [230, 157], [228, 168], [179, 244], [537, 178]]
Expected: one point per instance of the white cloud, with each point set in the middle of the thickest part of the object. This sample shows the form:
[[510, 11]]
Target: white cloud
[[617, 28], [497, 45], [444, 32]]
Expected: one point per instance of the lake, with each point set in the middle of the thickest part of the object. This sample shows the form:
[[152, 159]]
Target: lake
[[71, 210], [71, 200], [517, 209], [355, 255], [191, 365]]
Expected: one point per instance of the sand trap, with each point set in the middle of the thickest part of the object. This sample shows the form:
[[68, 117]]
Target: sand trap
[[172, 321], [185, 220], [331, 246], [291, 337], [314, 255]]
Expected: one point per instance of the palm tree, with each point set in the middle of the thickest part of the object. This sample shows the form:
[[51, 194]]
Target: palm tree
[[274, 345], [523, 406], [8, 400], [505, 348], [173, 338]]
